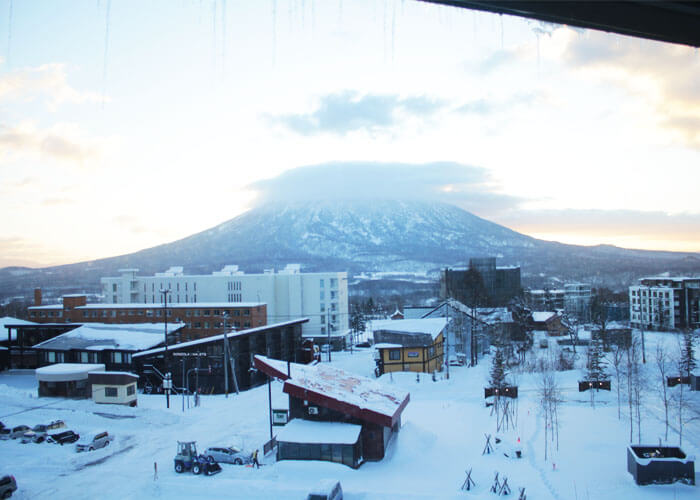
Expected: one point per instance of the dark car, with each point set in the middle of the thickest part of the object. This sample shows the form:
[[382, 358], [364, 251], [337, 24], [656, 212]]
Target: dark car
[[7, 486], [18, 432], [326, 489], [63, 437], [5, 433]]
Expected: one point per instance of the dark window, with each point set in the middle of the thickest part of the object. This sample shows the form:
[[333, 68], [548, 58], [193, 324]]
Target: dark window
[[111, 392], [394, 354], [130, 389]]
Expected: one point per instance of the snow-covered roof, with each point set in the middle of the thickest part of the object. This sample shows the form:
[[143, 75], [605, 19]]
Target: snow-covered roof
[[49, 307], [334, 334], [64, 372], [386, 345], [308, 431], [342, 391], [542, 316], [101, 336], [432, 326], [144, 305], [491, 315], [9, 320], [216, 338]]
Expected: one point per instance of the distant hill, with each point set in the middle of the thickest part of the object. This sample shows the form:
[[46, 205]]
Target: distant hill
[[361, 236]]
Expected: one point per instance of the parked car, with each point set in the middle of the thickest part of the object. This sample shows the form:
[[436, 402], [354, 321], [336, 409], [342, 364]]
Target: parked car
[[229, 455], [363, 344], [63, 437], [8, 485], [5, 433], [56, 424], [18, 432], [94, 442], [33, 437], [326, 489]]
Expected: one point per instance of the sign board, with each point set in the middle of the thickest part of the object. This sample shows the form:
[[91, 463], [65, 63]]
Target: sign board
[[280, 417], [188, 354]]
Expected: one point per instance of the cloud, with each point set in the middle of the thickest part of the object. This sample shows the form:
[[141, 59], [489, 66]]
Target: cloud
[[348, 111], [671, 71], [132, 223], [48, 82], [620, 224], [489, 106], [471, 188], [61, 142]]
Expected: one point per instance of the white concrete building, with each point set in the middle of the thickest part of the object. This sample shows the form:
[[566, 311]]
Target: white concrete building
[[665, 303], [289, 293]]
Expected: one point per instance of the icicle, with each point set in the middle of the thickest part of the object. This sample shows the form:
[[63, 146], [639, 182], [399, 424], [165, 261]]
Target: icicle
[[274, 31], [393, 30], [501, 16], [9, 36], [223, 37], [106, 53], [384, 23], [213, 38]]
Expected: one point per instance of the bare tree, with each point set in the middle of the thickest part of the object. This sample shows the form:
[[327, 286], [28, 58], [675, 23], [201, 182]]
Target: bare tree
[[616, 358], [632, 373], [662, 363]]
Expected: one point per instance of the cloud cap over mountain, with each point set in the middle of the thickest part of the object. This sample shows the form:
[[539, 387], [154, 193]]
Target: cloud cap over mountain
[[471, 188]]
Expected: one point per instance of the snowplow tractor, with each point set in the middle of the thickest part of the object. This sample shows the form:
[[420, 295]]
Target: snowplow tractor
[[187, 459]]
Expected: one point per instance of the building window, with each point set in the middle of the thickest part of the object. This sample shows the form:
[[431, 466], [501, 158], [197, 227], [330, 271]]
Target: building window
[[246, 312], [323, 318], [412, 354], [321, 284], [130, 389], [322, 295], [51, 357], [117, 357], [323, 307], [110, 392], [334, 283], [83, 357], [206, 324], [114, 287], [394, 354]]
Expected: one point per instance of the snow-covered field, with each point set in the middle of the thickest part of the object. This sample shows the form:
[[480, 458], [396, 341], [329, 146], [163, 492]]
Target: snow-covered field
[[442, 436]]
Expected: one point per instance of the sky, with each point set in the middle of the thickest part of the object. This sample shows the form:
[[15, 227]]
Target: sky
[[127, 124]]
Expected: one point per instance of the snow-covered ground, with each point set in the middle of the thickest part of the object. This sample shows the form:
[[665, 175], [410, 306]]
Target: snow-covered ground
[[442, 436]]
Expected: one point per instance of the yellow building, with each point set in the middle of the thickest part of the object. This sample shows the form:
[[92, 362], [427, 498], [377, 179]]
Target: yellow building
[[413, 345]]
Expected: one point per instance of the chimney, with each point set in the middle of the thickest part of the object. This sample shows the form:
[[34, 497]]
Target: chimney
[[37, 296]]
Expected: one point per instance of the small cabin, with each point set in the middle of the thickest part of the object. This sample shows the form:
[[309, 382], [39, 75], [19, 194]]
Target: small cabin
[[113, 388], [650, 464], [68, 380]]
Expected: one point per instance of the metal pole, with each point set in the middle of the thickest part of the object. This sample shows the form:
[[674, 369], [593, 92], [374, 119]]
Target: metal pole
[[269, 401], [328, 326], [225, 358], [165, 359], [183, 384]]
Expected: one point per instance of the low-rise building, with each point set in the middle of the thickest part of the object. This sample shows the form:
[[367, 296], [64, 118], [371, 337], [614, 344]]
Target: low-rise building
[[415, 345], [109, 345], [113, 387], [68, 380], [346, 418], [548, 321]]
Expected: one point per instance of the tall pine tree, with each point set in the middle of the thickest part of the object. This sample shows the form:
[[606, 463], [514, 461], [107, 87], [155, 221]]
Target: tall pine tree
[[687, 362], [498, 369]]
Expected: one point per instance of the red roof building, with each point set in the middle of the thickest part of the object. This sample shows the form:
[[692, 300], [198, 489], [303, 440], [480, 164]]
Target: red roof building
[[326, 394]]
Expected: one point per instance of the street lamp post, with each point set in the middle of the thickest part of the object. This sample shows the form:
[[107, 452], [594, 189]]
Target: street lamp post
[[165, 293], [224, 315]]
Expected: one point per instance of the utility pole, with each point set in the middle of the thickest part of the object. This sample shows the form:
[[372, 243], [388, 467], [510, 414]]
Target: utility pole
[[225, 356], [447, 340], [328, 327], [165, 293], [641, 329]]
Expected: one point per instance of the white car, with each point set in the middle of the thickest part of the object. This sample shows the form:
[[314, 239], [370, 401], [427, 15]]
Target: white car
[[93, 442]]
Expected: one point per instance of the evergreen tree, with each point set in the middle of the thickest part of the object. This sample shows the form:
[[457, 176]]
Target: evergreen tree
[[595, 363], [687, 361], [498, 369]]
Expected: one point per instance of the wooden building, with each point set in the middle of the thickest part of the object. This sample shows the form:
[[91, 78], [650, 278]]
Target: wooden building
[[549, 322], [414, 345], [322, 394], [110, 345], [199, 364]]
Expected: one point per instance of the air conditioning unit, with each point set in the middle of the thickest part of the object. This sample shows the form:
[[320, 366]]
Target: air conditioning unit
[[313, 410]]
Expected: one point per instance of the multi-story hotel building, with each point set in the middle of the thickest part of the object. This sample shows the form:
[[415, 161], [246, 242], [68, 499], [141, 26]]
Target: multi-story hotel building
[[665, 303], [289, 293], [200, 320]]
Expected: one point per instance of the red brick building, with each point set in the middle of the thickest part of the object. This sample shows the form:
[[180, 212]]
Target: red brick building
[[201, 319]]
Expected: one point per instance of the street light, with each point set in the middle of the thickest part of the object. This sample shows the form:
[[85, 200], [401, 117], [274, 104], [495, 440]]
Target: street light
[[165, 293]]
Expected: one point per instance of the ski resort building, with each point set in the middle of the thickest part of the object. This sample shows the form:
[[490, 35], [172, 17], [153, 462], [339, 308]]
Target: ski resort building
[[98, 343], [665, 303], [199, 364], [483, 283], [289, 293], [335, 415], [199, 320], [410, 345]]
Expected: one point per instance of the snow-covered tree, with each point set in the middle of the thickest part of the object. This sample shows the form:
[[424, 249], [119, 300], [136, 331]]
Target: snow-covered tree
[[498, 369], [687, 359]]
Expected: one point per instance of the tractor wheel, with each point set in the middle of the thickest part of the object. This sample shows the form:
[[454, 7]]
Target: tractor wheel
[[238, 461], [196, 469], [92, 448], [179, 468]]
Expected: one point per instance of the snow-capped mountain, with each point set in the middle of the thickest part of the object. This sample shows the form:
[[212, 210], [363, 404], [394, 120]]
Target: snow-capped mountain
[[361, 236]]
